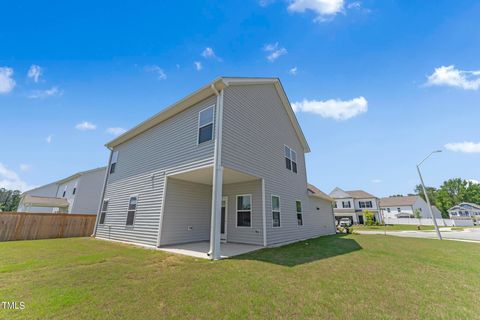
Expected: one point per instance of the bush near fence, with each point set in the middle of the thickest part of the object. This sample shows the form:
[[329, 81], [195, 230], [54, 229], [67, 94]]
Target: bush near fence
[[32, 226]]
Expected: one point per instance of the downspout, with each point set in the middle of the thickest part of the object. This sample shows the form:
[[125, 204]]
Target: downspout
[[162, 214], [217, 180], [103, 194]]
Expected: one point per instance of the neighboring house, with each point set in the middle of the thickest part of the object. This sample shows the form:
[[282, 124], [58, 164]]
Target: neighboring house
[[352, 204], [231, 153], [78, 193], [465, 209], [404, 207]]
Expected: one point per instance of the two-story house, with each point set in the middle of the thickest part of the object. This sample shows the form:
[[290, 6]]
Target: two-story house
[[353, 204], [465, 209], [405, 207], [78, 193], [224, 164]]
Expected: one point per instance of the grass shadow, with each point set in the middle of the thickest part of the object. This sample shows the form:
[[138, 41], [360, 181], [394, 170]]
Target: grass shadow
[[304, 251]]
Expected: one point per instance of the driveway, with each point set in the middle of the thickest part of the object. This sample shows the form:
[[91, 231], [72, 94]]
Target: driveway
[[467, 234]]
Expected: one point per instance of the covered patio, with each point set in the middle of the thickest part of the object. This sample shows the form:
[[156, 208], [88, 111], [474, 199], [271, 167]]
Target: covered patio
[[200, 249], [186, 225]]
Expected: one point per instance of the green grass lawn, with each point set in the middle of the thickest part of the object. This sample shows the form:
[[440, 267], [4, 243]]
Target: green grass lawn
[[347, 277]]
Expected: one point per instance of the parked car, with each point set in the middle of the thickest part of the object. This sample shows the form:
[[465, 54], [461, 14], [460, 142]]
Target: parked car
[[345, 222]]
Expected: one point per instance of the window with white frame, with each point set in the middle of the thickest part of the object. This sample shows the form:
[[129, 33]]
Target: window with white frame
[[399, 210], [113, 163], [244, 210], [388, 209], [298, 205], [64, 192], [205, 125], [276, 211], [290, 159], [346, 204], [365, 204], [103, 211], [132, 209]]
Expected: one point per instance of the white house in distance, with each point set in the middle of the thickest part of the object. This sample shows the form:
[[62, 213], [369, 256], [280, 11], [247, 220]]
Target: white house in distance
[[405, 206], [465, 209], [352, 204], [79, 193], [223, 166]]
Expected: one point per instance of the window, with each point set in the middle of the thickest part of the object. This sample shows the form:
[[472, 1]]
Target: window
[[205, 125], [74, 189], [132, 209], [365, 204], [361, 204], [113, 164], [368, 204], [298, 205], [388, 210], [290, 159], [346, 204], [335, 204], [64, 192], [244, 211], [103, 211], [399, 210], [276, 211]]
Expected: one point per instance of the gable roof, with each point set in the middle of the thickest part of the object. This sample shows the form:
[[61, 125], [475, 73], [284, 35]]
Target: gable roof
[[360, 194], [73, 176], [356, 194], [204, 92], [314, 191], [460, 206], [398, 201]]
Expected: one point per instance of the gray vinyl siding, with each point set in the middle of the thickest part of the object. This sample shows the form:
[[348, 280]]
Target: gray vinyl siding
[[255, 129], [142, 163], [253, 234], [89, 192], [187, 204], [68, 186], [321, 212]]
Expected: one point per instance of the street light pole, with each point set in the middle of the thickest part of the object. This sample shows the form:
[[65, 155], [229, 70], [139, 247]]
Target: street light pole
[[426, 195]]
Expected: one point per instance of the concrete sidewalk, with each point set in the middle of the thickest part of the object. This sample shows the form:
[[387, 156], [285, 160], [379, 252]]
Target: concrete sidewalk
[[467, 235]]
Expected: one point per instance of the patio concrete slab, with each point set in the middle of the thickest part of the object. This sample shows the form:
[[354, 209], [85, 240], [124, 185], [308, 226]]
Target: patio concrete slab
[[200, 249]]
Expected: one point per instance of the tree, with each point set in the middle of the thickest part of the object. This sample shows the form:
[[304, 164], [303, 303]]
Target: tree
[[431, 192], [369, 218], [9, 199], [418, 215]]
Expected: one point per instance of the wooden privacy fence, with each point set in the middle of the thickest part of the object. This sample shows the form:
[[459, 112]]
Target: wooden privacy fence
[[32, 226]]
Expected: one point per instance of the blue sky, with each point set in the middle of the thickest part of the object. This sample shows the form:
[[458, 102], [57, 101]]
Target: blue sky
[[376, 85]]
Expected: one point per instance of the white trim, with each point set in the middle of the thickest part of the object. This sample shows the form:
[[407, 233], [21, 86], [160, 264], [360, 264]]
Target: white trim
[[128, 209], [103, 195], [172, 173], [101, 211], [212, 123], [264, 215], [162, 212], [301, 212], [225, 198], [279, 210], [236, 210]]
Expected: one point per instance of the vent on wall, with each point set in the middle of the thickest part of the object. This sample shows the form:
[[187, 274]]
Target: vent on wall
[[190, 228]]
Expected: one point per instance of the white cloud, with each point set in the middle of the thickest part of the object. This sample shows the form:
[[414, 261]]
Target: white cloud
[[25, 167], [293, 71], [6, 82], [325, 9], [49, 138], [376, 181], [473, 181], [198, 65], [209, 53], [452, 77], [274, 51], [85, 125], [333, 108], [42, 94], [116, 131], [10, 180], [161, 75], [34, 72], [467, 147]]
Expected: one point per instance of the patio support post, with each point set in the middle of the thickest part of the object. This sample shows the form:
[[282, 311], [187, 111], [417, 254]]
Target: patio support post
[[217, 182]]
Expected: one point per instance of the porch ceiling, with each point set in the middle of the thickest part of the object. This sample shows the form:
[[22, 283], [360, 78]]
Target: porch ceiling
[[205, 176]]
